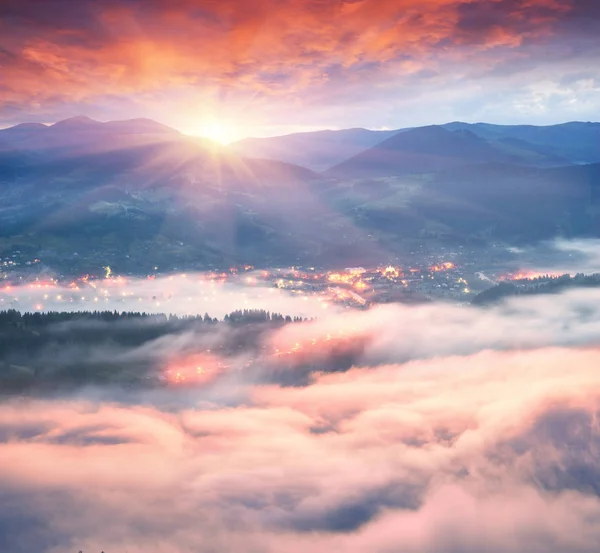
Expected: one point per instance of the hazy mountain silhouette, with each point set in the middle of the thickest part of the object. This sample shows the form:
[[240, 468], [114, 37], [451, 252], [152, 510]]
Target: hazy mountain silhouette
[[435, 148], [544, 146], [319, 150], [487, 201], [86, 186], [523, 203], [579, 142], [76, 123], [78, 135], [139, 190], [23, 128]]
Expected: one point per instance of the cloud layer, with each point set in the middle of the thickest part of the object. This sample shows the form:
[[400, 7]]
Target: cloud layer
[[323, 56], [456, 430], [498, 450], [181, 294]]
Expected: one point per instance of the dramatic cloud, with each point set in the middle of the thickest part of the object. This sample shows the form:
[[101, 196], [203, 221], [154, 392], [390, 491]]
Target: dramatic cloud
[[454, 429], [217, 59], [401, 333], [494, 450]]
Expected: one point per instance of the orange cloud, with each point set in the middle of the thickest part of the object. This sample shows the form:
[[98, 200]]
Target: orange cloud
[[268, 47]]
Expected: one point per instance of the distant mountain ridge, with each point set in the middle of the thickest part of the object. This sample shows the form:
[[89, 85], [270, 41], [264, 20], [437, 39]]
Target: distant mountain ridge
[[146, 194], [112, 188], [81, 136], [318, 150], [81, 122], [577, 141], [436, 148], [355, 152]]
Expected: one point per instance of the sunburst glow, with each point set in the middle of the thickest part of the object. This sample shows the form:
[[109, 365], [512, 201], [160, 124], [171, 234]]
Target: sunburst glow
[[217, 131]]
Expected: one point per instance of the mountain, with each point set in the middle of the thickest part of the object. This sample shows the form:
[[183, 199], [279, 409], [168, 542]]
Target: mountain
[[83, 123], [78, 135], [472, 204], [138, 195], [333, 152], [522, 204], [318, 150], [79, 122], [145, 199], [23, 128], [578, 142], [436, 148]]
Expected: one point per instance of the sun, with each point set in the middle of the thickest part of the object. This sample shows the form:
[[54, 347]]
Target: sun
[[218, 131]]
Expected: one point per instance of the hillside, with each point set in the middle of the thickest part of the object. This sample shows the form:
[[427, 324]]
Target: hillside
[[423, 150], [318, 150], [121, 195], [82, 135], [577, 142], [436, 148], [99, 193], [550, 285], [479, 202]]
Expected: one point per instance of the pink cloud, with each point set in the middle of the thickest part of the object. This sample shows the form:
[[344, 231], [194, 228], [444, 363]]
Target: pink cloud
[[454, 453]]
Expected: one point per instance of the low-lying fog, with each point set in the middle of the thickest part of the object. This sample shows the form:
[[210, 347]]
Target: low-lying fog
[[453, 429], [181, 294], [561, 256], [196, 293]]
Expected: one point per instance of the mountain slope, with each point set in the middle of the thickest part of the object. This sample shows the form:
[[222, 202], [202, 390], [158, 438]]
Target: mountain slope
[[81, 135], [118, 194], [182, 199], [578, 142], [318, 150], [525, 204], [475, 203], [435, 148]]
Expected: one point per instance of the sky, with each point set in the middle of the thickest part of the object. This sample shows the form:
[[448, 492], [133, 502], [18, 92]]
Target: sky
[[237, 68]]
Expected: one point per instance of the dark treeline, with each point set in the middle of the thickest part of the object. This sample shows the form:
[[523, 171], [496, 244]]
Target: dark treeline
[[259, 316], [109, 347], [540, 285], [34, 331], [240, 316]]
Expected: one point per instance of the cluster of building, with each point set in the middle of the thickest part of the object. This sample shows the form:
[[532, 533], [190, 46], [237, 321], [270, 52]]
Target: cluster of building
[[360, 287], [454, 275], [15, 261]]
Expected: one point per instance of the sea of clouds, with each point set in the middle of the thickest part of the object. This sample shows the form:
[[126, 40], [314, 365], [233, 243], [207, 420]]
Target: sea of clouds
[[454, 429], [457, 429]]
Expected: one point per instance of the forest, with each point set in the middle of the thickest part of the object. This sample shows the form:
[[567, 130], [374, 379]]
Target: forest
[[45, 351], [541, 285]]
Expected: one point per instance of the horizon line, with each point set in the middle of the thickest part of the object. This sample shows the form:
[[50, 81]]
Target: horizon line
[[285, 134]]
